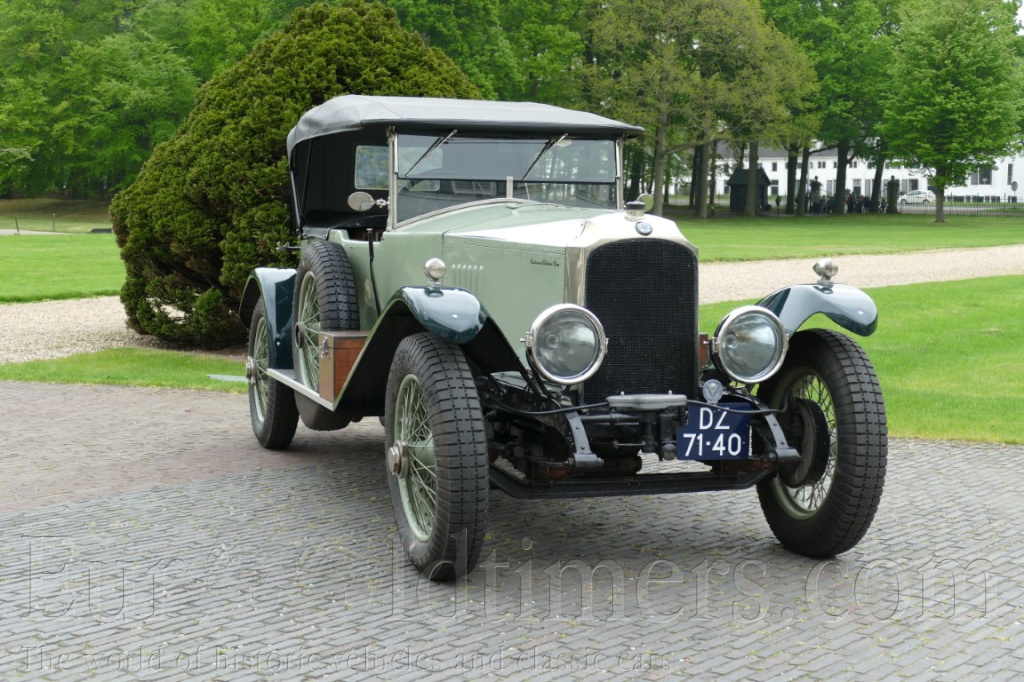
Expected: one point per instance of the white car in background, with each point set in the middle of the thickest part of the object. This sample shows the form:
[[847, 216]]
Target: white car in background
[[918, 196]]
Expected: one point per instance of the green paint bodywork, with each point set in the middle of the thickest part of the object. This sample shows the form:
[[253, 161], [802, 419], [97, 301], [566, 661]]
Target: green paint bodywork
[[847, 306], [275, 286], [511, 254], [454, 315]]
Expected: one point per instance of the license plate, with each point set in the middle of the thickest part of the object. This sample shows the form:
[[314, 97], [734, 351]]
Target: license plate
[[714, 435]]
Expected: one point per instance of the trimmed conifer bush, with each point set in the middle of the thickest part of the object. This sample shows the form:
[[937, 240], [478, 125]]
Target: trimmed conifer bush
[[212, 202]]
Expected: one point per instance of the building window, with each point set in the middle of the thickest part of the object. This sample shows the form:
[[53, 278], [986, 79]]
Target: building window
[[982, 177], [853, 164], [913, 184], [1009, 173], [821, 164], [775, 165], [775, 186], [830, 187], [835, 164]]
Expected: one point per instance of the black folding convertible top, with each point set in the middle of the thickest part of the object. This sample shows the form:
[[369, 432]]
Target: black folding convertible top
[[349, 113]]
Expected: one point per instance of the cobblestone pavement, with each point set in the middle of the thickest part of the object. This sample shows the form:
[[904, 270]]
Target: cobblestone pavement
[[144, 534]]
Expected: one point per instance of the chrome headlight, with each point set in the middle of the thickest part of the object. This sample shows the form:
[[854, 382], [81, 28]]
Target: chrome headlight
[[566, 344], [749, 345]]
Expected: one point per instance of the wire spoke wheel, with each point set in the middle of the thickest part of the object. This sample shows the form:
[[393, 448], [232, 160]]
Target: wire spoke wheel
[[307, 330], [803, 501], [412, 431], [436, 456], [831, 513], [260, 363], [324, 299], [272, 407]]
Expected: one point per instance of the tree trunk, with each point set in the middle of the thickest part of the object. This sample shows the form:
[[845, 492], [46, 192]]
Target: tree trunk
[[876, 186], [668, 184], [801, 193], [752, 199], [839, 205], [940, 203], [660, 154], [702, 174], [791, 180], [636, 171], [694, 174], [712, 175]]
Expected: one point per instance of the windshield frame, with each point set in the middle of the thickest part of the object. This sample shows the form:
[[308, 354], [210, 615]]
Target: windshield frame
[[503, 191]]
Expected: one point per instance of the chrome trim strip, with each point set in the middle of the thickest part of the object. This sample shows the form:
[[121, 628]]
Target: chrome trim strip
[[287, 377]]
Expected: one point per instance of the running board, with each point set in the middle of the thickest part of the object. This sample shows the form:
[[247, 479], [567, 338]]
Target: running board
[[287, 377]]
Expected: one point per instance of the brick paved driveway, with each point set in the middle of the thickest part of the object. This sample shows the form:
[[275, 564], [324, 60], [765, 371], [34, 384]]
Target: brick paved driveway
[[144, 535]]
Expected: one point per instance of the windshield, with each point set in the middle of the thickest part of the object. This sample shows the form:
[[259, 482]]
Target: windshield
[[440, 171]]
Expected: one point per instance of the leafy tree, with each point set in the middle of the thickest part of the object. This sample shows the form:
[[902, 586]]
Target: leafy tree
[[211, 202], [691, 71], [545, 37], [849, 44], [470, 33], [958, 89], [127, 92], [32, 44]]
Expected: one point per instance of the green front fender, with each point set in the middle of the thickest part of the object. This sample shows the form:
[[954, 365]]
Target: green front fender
[[276, 287], [454, 315], [847, 306]]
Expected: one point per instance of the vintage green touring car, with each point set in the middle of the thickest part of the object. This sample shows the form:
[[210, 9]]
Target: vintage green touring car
[[471, 273]]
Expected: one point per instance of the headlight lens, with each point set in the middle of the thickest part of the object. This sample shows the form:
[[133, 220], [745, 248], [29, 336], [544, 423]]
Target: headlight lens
[[749, 345], [566, 344]]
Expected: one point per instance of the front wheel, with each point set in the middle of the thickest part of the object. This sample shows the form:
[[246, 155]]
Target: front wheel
[[831, 512], [436, 455], [271, 403]]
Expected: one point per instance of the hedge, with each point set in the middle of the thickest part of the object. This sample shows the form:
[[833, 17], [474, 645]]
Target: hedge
[[211, 203]]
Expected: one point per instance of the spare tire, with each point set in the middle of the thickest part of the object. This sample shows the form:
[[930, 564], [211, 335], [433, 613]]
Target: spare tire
[[325, 299]]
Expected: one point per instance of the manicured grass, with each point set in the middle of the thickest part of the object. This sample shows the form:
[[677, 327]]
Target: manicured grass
[[133, 367], [947, 355], [736, 239], [54, 215], [36, 268]]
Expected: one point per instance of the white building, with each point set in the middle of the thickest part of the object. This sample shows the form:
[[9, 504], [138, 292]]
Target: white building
[[1004, 182]]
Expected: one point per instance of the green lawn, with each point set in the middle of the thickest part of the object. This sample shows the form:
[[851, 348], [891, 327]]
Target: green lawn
[[939, 351], [808, 237], [35, 268], [133, 367], [54, 215]]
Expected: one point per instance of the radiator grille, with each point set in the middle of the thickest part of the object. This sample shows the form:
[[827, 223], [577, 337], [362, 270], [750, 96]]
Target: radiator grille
[[644, 291]]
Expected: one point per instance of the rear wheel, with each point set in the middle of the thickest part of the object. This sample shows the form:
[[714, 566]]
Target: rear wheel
[[324, 299], [271, 404], [834, 509], [436, 455]]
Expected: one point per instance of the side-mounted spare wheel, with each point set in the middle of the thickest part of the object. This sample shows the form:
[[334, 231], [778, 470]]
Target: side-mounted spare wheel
[[436, 456], [271, 404], [325, 299], [831, 511]]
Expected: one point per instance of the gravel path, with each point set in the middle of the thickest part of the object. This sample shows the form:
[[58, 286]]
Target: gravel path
[[53, 329]]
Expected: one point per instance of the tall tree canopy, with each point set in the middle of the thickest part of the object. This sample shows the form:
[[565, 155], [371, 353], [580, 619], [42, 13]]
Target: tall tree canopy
[[694, 70], [849, 44], [211, 203], [957, 98]]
